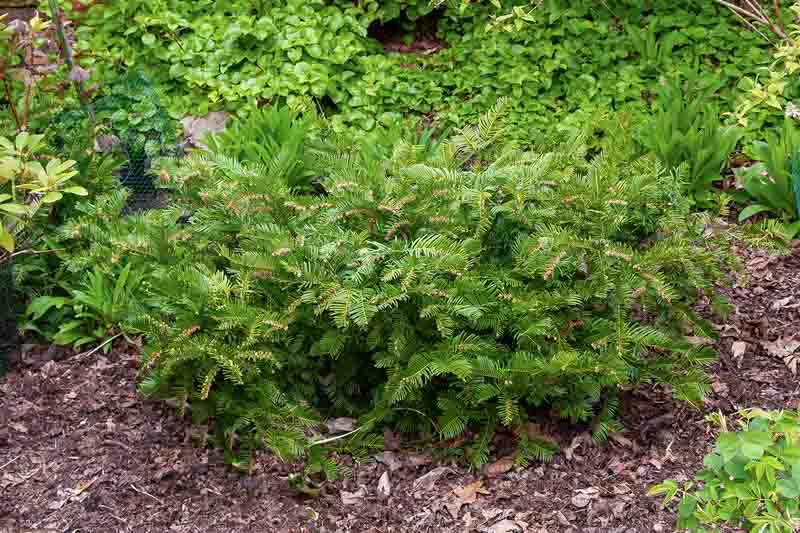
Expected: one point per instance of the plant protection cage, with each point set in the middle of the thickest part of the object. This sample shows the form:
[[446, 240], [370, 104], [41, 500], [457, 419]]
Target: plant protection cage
[[9, 340], [131, 120]]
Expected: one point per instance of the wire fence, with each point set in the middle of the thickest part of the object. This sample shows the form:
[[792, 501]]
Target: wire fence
[[9, 306], [131, 114]]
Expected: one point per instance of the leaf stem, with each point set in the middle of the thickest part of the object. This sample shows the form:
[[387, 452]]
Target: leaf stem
[[11, 104], [66, 53]]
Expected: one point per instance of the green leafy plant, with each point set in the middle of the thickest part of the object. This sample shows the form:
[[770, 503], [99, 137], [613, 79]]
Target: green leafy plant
[[28, 188], [457, 292], [17, 42], [774, 181], [98, 308], [241, 55], [769, 94], [274, 137], [653, 50], [685, 131], [750, 481]]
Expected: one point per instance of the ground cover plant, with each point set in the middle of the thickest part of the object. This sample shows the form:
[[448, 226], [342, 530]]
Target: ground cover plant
[[369, 62], [774, 181], [751, 480], [686, 130]]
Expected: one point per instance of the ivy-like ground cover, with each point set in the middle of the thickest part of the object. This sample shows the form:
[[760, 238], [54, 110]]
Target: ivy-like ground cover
[[577, 56]]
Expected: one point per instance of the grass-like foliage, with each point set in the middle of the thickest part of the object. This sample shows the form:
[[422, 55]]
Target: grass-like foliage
[[686, 130], [446, 289]]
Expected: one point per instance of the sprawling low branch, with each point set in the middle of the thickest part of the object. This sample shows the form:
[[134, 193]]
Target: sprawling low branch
[[754, 14]]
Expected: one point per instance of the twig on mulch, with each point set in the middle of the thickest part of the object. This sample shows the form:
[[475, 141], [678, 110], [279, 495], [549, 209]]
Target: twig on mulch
[[140, 491], [97, 348], [112, 511], [10, 462], [100, 347], [26, 478]]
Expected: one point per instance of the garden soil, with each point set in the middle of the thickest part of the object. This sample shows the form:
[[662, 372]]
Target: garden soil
[[80, 450]]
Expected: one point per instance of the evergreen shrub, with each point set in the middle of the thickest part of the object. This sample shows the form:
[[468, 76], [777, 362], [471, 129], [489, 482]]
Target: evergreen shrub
[[447, 289]]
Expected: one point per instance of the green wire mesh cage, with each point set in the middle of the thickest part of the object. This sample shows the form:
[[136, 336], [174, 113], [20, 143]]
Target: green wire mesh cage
[[9, 339], [132, 121]]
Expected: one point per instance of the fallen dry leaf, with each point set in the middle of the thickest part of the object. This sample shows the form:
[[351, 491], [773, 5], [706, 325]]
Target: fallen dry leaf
[[384, 486], [353, 498], [585, 496], [786, 350], [469, 493], [583, 438], [758, 263], [427, 481], [499, 467], [738, 349]]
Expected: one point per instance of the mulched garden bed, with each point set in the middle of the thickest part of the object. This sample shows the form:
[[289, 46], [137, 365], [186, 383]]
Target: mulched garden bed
[[81, 451]]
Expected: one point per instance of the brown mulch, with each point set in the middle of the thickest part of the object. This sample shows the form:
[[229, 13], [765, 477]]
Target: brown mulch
[[81, 451]]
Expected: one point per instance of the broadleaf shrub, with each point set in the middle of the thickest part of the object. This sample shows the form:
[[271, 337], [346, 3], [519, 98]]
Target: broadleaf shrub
[[451, 294]]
